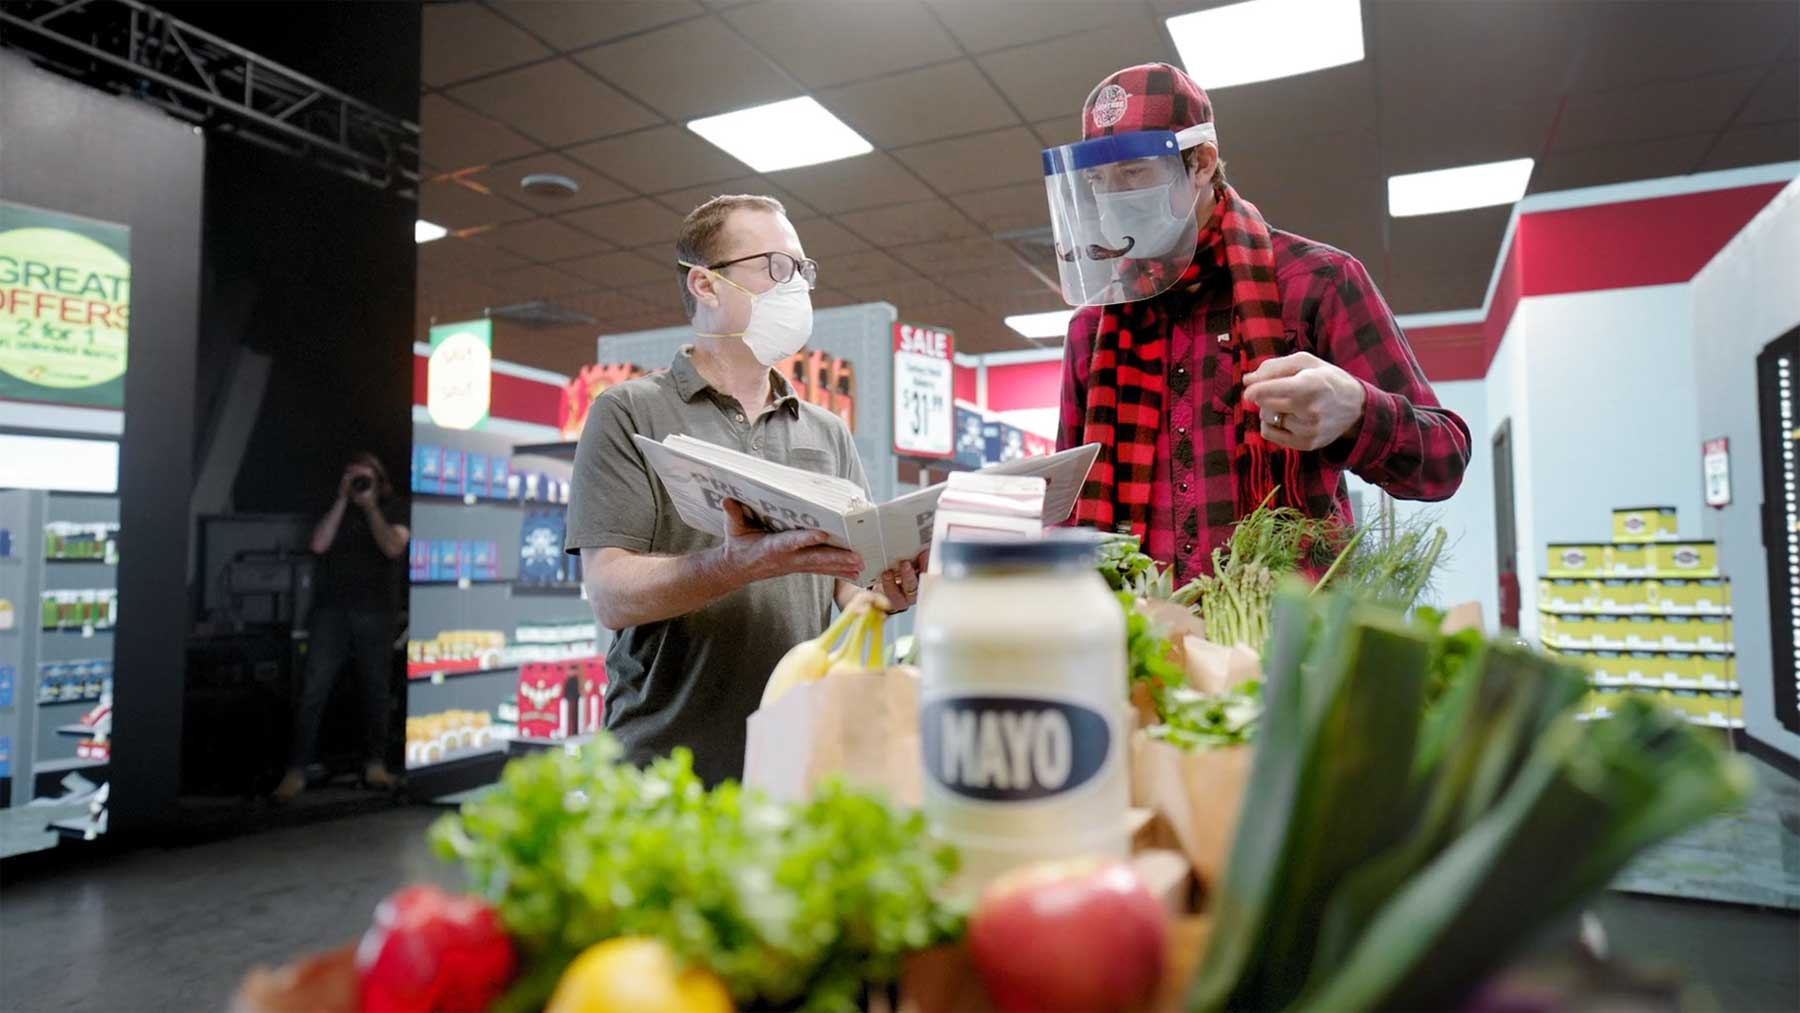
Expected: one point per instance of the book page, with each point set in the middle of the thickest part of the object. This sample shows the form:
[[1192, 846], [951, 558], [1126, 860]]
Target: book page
[[699, 491]]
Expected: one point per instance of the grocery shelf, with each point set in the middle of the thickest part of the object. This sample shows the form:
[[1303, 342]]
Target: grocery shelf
[[548, 590], [518, 745], [464, 499], [1719, 612], [65, 766], [1707, 722], [464, 582], [86, 828], [69, 700], [84, 561], [1613, 682], [80, 631], [441, 674], [463, 755], [1564, 644], [77, 730], [562, 451]]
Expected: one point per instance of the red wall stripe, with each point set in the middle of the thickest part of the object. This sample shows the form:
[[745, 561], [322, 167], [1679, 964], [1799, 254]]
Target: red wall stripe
[[510, 397], [1024, 385], [967, 386]]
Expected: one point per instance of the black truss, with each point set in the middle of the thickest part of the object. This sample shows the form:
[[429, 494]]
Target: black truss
[[132, 49]]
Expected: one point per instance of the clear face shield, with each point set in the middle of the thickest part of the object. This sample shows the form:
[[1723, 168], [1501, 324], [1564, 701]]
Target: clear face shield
[[1122, 212]]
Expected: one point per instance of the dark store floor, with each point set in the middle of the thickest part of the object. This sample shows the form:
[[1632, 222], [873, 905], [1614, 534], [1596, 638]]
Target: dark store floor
[[174, 930]]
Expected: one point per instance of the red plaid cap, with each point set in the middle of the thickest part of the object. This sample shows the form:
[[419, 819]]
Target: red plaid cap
[[1150, 96]]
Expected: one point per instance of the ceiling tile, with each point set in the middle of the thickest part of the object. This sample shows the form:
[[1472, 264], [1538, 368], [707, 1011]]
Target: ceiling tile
[[453, 137], [997, 284], [455, 206], [629, 223], [545, 239], [977, 329], [851, 184], [826, 298], [736, 76], [1653, 110], [536, 282], [827, 42], [981, 25], [1777, 99], [823, 238], [1444, 262], [1049, 79], [1007, 208], [663, 297], [683, 201], [903, 292], [980, 162], [1754, 145], [859, 270], [603, 305], [917, 222], [1465, 53], [663, 158], [1336, 99], [462, 40], [1616, 163], [953, 256], [504, 179], [465, 301], [452, 256], [619, 269], [920, 105], [1639, 43], [573, 24], [1059, 130], [555, 102], [1426, 131]]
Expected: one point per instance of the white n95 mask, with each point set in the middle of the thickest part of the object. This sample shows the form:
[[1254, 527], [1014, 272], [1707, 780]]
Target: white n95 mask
[[781, 319]]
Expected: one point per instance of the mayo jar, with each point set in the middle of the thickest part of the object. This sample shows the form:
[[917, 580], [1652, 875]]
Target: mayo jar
[[1023, 705]]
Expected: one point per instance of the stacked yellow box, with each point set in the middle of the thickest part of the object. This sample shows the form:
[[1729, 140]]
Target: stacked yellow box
[[1647, 614]]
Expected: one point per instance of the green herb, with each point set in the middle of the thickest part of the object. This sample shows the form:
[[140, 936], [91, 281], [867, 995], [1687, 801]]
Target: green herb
[[1264, 547], [1149, 653], [1195, 720], [783, 902], [1123, 563], [1398, 848]]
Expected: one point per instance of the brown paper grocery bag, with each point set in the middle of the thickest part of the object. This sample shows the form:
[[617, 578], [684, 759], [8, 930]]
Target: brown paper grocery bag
[[1195, 795], [862, 726]]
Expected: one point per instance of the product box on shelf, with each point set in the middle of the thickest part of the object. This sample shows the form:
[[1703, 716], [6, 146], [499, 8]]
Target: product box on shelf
[[541, 556], [446, 559], [8, 685], [5, 756], [1625, 560], [427, 460], [93, 749], [475, 475], [450, 473], [1644, 524], [484, 560], [1680, 633], [1684, 559], [1574, 559], [545, 709], [6, 543], [419, 559], [434, 738], [9, 616], [1711, 593], [593, 694], [499, 471]]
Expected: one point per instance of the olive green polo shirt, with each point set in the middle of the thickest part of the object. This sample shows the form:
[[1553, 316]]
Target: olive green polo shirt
[[694, 680]]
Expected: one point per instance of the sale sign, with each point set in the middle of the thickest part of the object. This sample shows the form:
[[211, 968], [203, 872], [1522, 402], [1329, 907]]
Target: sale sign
[[65, 307], [924, 391], [459, 374]]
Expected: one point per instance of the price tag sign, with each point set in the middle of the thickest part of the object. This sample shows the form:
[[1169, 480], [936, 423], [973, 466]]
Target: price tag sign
[[924, 391], [1715, 467]]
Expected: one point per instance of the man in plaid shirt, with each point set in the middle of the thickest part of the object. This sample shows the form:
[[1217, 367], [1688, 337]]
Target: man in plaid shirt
[[1263, 364]]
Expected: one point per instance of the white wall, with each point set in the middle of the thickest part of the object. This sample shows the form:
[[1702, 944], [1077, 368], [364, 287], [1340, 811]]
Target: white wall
[[1469, 573], [1505, 389], [1748, 296]]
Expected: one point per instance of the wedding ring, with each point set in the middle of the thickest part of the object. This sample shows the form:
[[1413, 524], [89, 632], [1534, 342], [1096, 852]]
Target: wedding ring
[[1275, 420]]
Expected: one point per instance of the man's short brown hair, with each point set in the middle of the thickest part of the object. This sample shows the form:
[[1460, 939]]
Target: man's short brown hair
[[703, 233]]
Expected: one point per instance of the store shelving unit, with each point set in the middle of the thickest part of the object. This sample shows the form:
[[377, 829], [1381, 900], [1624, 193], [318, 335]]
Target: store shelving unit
[[487, 682], [1647, 613], [41, 735]]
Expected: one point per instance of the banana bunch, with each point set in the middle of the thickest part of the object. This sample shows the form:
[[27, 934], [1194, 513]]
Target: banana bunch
[[852, 644]]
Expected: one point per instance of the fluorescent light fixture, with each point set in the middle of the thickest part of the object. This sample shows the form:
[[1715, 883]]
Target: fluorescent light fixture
[[425, 232], [782, 135], [54, 462], [1262, 40], [1471, 186], [1054, 324]]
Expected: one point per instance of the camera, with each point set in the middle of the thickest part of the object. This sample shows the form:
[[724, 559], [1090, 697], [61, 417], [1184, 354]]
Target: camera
[[361, 484]]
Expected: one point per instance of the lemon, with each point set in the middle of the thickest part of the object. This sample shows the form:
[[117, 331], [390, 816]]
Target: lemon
[[634, 974]]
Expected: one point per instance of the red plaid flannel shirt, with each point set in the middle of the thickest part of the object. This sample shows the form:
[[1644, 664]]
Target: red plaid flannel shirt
[[1407, 444]]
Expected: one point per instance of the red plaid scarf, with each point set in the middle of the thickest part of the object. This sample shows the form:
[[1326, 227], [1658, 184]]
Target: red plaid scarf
[[1128, 382]]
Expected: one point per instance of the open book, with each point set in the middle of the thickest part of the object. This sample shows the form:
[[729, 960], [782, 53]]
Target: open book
[[700, 477]]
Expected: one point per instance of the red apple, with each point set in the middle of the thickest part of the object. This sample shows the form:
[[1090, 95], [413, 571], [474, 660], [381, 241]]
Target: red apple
[[1083, 934]]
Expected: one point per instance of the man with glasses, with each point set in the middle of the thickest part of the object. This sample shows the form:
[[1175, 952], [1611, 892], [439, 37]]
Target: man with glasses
[[703, 620]]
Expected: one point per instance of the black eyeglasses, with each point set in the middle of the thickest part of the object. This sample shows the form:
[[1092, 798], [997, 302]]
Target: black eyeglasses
[[782, 267]]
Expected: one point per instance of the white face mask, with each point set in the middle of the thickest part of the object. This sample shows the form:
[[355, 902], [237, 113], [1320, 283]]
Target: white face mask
[[781, 319], [1141, 218]]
